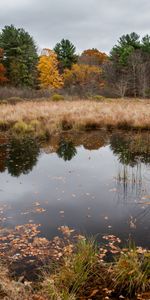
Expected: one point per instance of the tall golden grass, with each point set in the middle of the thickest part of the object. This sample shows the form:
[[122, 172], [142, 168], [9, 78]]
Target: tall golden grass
[[79, 114]]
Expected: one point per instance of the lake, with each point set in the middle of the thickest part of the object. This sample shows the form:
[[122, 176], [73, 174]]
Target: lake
[[96, 182]]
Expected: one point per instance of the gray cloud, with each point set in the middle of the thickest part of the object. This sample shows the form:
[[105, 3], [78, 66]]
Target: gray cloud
[[87, 23]]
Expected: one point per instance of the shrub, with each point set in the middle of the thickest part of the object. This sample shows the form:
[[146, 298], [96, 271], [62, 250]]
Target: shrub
[[22, 128], [98, 98], [57, 97]]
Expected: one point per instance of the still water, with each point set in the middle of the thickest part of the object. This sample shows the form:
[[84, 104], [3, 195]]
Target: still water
[[95, 182]]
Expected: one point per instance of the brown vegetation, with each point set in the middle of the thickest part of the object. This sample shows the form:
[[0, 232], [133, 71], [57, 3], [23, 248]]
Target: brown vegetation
[[51, 117]]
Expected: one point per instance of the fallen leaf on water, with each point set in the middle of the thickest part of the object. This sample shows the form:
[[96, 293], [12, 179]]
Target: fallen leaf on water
[[36, 203], [66, 230], [113, 190], [146, 197], [40, 210]]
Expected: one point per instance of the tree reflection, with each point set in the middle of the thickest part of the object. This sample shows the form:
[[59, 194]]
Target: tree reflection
[[131, 149], [133, 153], [22, 156], [66, 150]]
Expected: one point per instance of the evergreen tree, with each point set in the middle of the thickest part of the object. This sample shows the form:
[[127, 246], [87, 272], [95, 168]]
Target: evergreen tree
[[66, 55], [126, 45], [20, 56]]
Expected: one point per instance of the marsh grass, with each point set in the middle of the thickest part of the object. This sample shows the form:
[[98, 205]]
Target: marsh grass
[[70, 277], [131, 272], [34, 129], [83, 274], [79, 114]]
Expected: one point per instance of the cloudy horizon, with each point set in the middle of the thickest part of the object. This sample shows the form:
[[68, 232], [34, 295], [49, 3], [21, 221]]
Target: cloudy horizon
[[88, 24]]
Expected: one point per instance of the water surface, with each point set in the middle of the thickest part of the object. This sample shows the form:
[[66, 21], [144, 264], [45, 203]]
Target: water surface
[[95, 182]]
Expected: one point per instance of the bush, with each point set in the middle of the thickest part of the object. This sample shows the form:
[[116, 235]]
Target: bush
[[57, 97], [98, 98], [22, 128]]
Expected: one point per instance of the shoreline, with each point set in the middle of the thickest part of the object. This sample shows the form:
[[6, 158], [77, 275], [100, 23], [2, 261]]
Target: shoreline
[[45, 118]]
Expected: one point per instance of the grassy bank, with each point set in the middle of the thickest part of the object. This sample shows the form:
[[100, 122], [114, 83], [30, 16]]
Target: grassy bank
[[46, 117], [81, 273]]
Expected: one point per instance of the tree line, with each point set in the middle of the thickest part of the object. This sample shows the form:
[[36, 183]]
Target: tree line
[[124, 72]]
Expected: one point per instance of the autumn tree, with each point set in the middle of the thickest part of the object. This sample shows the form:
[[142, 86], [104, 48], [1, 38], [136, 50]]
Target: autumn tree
[[92, 57], [49, 76], [66, 54], [83, 79], [128, 71], [20, 55], [3, 78]]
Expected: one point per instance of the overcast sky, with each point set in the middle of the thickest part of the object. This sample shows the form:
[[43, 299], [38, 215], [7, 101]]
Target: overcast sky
[[87, 23]]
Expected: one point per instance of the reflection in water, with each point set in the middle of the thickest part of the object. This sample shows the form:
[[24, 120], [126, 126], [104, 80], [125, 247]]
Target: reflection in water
[[131, 149], [105, 189], [66, 150], [20, 156], [133, 152]]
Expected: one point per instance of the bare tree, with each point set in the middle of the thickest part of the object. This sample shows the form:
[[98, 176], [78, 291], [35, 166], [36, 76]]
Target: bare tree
[[117, 79]]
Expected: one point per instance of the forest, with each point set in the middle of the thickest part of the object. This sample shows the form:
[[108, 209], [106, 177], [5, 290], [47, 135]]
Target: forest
[[124, 72]]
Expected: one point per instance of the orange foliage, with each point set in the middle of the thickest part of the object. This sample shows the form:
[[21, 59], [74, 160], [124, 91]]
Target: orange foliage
[[48, 70], [93, 57], [3, 78], [83, 75]]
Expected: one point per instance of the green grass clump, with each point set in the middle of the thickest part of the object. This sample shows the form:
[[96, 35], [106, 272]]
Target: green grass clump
[[57, 97], [98, 98], [35, 124], [72, 275], [131, 272], [22, 128], [34, 129]]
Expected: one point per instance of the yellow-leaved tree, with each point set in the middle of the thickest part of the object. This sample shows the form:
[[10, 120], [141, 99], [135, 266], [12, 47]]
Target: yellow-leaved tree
[[49, 76]]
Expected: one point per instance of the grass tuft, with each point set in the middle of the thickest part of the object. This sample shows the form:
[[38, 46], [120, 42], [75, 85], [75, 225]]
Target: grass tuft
[[75, 270], [131, 273], [57, 97]]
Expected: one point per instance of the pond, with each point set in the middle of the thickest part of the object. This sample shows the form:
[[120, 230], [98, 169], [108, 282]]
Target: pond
[[96, 182]]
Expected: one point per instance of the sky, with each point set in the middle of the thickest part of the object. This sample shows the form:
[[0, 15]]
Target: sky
[[87, 23]]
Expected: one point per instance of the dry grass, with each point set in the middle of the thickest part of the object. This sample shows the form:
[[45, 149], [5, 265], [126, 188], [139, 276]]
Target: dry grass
[[77, 115], [11, 289]]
